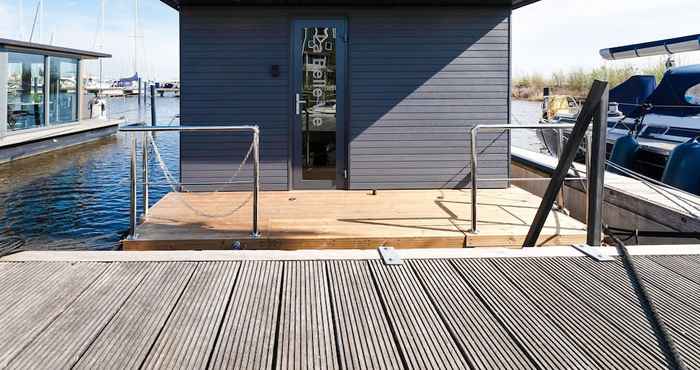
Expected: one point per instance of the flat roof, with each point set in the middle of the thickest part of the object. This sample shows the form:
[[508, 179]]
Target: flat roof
[[16, 45], [514, 4]]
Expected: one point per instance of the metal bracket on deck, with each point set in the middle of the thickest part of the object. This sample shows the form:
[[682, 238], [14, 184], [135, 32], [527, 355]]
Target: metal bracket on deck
[[389, 256], [593, 252]]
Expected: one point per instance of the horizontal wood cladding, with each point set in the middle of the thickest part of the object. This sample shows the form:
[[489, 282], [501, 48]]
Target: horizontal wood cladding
[[418, 80], [418, 83]]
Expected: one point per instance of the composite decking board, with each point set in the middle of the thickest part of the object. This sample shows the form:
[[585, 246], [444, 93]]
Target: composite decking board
[[680, 265], [127, 339], [621, 309], [246, 337], [41, 304], [681, 320], [363, 333], [423, 338], [487, 344], [62, 343], [592, 332], [306, 338], [22, 277], [548, 345], [676, 285], [188, 337]]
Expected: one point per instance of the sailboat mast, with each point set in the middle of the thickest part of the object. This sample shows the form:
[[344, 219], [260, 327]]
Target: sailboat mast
[[136, 35], [20, 14], [40, 26]]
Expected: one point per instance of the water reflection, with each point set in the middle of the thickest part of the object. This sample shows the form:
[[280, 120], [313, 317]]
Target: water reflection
[[78, 198]]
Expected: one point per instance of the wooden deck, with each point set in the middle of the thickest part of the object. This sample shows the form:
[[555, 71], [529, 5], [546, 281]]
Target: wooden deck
[[347, 311], [349, 219]]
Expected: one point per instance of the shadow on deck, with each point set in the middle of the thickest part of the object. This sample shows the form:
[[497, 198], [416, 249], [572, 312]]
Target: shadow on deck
[[349, 220]]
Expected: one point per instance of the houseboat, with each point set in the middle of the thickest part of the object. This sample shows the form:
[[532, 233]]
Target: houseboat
[[43, 102], [363, 114]]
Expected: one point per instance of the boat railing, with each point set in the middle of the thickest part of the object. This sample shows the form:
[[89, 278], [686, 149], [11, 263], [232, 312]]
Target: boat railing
[[559, 129], [147, 130]]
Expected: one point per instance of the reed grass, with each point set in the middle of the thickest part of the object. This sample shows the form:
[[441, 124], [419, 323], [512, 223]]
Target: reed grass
[[577, 82]]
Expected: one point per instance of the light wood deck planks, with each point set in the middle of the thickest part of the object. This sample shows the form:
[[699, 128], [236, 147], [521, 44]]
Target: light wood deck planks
[[429, 313], [350, 220]]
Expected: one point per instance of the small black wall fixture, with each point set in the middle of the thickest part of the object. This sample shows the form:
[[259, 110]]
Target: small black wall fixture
[[275, 70], [591, 108]]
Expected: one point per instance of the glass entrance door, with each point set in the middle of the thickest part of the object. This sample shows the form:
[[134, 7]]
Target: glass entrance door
[[318, 104]]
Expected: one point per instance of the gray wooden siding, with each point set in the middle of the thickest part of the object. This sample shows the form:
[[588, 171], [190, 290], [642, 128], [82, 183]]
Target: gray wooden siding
[[418, 78], [226, 56]]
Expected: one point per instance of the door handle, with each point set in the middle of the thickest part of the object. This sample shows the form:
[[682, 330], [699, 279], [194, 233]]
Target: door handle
[[299, 103]]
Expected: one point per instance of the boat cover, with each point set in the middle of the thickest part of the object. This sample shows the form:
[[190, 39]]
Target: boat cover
[[633, 92], [126, 82], [669, 98]]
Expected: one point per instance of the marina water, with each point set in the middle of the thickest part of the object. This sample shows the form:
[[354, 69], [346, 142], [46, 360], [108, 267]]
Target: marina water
[[79, 197]]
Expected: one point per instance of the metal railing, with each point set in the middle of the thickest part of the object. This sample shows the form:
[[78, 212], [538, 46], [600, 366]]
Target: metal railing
[[133, 218], [474, 131]]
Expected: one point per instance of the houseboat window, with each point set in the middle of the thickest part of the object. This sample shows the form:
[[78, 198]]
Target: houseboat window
[[692, 96], [25, 91], [318, 119], [63, 90]]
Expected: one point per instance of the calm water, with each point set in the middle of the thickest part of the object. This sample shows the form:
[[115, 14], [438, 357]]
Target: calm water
[[79, 198]]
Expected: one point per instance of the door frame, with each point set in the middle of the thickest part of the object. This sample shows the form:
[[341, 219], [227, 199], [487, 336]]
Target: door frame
[[294, 164]]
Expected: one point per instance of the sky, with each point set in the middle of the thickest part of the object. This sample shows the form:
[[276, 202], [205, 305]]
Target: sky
[[562, 35], [548, 36], [74, 23]]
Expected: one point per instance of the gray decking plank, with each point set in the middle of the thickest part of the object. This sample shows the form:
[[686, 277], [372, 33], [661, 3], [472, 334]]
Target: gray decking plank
[[622, 309], [549, 347], [423, 338], [246, 338], [671, 282], [485, 341], [39, 306], [306, 339], [680, 265], [62, 343], [126, 340], [188, 337], [364, 336], [679, 318], [21, 277], [609, 347]]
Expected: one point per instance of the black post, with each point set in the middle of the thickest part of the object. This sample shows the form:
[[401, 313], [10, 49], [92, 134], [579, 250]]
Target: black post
[[596, 182], [153, 105], [589, 109]]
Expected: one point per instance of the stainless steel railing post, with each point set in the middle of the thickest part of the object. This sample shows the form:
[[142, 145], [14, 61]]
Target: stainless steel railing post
[[474, 187], [132, 203], [146, 142], [256, 181], [560, 150]]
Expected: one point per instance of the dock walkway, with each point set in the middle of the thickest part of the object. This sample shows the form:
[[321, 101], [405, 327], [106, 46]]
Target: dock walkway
[[543, 308]]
